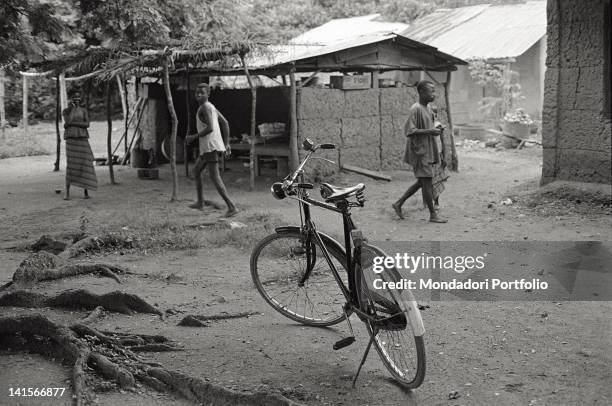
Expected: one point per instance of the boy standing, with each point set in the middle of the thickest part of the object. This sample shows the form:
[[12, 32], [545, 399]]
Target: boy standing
[[213, 138]]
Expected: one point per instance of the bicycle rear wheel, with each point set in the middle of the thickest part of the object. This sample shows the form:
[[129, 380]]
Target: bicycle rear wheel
[[397, 331], [278, 265]]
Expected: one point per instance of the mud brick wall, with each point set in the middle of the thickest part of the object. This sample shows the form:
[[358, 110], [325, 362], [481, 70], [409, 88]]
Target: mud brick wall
[[576, 127], [366, 125]]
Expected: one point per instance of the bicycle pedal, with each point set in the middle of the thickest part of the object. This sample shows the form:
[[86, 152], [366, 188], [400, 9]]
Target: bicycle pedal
[[345, 342]]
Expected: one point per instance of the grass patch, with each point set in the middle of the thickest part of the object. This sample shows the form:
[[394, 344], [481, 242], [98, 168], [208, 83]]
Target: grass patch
[[258, 225], [155, 231], [566, 198], [14, 143], [41, 139]]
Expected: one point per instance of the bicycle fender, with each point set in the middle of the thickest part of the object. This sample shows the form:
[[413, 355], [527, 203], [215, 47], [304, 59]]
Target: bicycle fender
[[414, 315], [326, 238]]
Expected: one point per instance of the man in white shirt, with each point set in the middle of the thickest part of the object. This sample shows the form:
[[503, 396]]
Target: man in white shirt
[[213, 138]]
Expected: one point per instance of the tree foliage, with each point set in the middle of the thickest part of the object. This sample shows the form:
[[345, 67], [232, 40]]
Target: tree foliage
[[26, 29]]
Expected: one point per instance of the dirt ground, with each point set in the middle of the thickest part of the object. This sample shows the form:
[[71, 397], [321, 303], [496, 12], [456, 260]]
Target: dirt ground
[[502, 353]]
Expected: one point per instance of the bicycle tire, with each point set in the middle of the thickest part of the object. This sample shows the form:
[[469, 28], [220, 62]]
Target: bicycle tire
[[277, 284], [398, 337]]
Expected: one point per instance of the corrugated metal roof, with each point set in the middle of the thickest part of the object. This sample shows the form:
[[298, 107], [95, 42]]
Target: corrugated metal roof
[[484, 31], [283, 54], [345, 28]]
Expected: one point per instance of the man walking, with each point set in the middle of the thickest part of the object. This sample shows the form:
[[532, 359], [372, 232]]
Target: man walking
[[423, 152], [213, 138]]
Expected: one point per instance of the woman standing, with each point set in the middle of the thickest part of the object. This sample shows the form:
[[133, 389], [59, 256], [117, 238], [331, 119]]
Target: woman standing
[[79, 169]]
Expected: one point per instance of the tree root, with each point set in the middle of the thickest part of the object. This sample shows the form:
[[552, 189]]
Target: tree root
[[94, 315], [44, 266], [83, 346], [114, 301], [201, 321], [83, 245]]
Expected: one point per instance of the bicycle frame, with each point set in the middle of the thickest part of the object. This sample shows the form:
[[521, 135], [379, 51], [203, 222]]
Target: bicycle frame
[[352, 239], [353, 255]]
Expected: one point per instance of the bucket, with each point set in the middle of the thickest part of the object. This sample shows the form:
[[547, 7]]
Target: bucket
[[139, 158], [519, 130]]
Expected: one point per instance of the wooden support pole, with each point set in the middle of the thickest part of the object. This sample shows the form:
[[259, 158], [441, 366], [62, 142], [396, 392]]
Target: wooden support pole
[[186, 148], [124, 136], [174, 122], [293, 133], [109, 134], [124, 107], [25, 105], [454, 164], [139, 113], [122, 97], [58, 114], [63, 92], [252, 155]]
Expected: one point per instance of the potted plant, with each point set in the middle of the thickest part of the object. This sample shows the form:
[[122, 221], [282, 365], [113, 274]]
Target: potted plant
[[517, 123]]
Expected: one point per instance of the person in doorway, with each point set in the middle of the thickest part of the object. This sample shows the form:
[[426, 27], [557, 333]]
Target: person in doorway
[[79, 157], [213, 138], [424, 153]]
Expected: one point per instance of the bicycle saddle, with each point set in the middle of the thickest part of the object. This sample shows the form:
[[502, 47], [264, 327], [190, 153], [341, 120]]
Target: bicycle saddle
[[333, 193]]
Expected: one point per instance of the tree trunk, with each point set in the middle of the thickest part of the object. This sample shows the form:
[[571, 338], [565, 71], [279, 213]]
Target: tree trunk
[[109, 134], [293, 136], [454, 164], [174, 122], [58, 115]]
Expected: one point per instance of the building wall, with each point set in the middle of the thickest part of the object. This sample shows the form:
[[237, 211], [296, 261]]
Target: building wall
[[366, 125], [576, 125], [530, 67]]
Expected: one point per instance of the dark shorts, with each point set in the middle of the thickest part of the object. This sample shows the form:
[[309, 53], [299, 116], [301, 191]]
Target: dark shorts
[[423, 169], [211, 157]]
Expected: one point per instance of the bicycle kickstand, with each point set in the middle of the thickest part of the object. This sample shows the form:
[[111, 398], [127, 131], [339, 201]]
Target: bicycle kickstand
[[345, 342], [363, 359]]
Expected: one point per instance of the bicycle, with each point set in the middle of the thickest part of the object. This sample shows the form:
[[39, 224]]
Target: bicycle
[[297, 271]]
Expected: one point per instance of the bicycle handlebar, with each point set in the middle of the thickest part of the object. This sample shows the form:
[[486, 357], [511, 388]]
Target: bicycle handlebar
[[290, 180]]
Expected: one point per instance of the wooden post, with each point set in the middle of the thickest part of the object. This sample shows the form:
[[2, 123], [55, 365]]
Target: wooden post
[[375, 75], [2, 111], [64, 93], [58, 115], [109, 134], [25, 105], [123, 97], [87, 95], [252, 155], [186, 148], [174, 122], [127, 114], [293, 136], [454, 165]]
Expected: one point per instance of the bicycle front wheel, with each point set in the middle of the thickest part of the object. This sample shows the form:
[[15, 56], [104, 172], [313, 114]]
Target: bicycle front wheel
[[279, 264], [396, 327]]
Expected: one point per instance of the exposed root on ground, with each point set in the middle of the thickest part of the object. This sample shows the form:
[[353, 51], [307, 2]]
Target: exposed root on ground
[[95, 314], [116, 301], [89, 350], [202, 321], [44, 266]]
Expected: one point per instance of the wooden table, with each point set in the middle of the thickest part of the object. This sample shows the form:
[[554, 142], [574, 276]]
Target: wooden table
[[278, 151]]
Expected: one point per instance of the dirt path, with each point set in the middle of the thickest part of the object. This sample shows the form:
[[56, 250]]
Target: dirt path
[[502, 353]]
